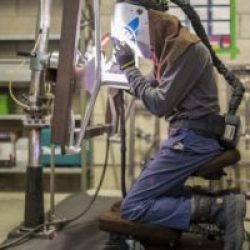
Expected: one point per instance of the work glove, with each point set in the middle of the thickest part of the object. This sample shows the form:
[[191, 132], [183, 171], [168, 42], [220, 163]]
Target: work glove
[[154, 83], [123, 54]]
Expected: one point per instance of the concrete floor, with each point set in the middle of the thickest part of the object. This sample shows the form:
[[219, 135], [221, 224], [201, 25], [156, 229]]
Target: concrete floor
[[12, 210]]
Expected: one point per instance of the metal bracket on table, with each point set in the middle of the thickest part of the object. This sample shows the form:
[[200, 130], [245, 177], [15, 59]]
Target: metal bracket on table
[[35, 123]]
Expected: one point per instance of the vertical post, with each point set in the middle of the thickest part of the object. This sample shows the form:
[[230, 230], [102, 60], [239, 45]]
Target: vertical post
[[65, 73], [34, 208], [233, 28], [86, 35], [210, 17], [84, 151], [131, 169], [98, 48], [52, 183], [132, 166]]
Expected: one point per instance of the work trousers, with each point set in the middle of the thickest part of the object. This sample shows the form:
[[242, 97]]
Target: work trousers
[[158, 196]]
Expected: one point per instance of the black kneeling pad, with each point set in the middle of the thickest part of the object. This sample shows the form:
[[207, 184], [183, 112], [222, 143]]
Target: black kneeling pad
[[112, 222], [217, 164]]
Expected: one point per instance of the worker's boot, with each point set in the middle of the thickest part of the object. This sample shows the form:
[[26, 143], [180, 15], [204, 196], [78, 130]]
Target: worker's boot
[[206, 209], [227, 213]]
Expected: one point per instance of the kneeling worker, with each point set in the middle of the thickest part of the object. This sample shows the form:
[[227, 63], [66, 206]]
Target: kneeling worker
[[185, 92]]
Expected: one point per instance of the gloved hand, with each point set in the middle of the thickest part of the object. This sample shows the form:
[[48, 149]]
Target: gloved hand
[[154, 83], [123, 54]]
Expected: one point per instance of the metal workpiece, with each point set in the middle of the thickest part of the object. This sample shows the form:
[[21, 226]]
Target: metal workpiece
[[98, 76]]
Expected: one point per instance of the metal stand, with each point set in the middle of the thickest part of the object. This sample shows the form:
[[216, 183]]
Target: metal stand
[[34, 208], [34, 122], [52, 185]]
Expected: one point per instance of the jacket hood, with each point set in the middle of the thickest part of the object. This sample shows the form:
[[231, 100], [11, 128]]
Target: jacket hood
[[168, 39]]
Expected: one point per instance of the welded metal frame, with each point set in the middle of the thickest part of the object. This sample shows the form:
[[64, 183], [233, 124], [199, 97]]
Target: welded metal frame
[[98, 77]]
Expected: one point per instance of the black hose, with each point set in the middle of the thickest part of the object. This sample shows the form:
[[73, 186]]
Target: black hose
[[236, 84], [148, 4], [123, 143]]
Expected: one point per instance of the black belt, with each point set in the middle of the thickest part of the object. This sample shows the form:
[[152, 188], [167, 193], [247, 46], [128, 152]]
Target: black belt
[[210, 126]]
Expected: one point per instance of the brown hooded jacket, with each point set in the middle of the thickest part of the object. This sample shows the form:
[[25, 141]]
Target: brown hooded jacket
[[169, 40]]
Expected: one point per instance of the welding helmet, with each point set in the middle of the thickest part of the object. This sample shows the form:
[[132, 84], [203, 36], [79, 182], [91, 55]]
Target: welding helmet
[[130, 24]]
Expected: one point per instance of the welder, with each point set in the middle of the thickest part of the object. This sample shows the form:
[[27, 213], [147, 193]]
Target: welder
[[182, 89]]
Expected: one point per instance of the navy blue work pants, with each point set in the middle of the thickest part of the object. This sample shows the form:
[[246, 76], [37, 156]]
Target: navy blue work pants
[[158, 196]]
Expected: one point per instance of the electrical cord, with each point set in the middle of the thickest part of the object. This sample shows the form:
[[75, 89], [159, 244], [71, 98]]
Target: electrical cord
[[12, 95], [98, 187], [63, 223]]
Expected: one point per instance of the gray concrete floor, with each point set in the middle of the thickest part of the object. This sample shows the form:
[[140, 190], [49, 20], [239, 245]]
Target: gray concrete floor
[[12, 210]]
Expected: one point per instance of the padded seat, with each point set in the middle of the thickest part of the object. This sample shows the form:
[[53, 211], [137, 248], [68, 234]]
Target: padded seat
[[214, 168], [112, 222]]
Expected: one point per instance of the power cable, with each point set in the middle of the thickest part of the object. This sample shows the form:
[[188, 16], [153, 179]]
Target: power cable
[[123, 143], [98, 187], [12, 95]]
